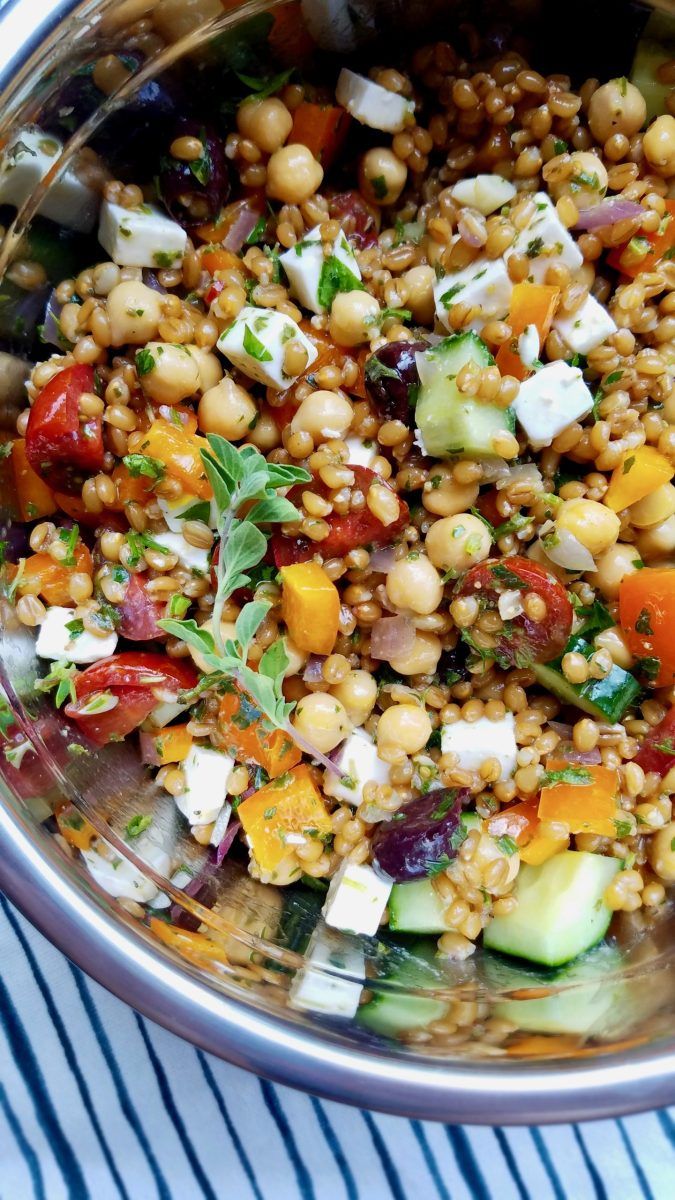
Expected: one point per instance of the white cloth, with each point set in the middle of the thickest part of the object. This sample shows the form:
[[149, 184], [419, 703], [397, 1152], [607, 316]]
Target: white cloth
[[97, 1103]]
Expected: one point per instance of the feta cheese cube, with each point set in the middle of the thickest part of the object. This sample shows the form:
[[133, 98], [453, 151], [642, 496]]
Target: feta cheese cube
[[362, 452], [546, 242], [24, 164], [206, 774], [194, 558], [305, 265], [487, 193], [120, 878], [56, 641], [141, 237], [360, 760], [255, 341], [484, 285], [586, 328], [373, 105], [323, 985], [528, 346], [550, 400], [187, 508], [474, 741], [356, 899]]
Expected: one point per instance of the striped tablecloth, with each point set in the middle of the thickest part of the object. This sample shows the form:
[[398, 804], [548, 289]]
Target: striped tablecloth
[[96, 1102]]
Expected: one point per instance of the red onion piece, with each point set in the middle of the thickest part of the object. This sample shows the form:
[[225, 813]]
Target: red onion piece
[[382, 560], [150, 280], [608, 212], [200, 888], [391, 637], [149, 753], [226, 843], [313, 672], [243, 224], [51, 328], [568, 751], [561, 728]]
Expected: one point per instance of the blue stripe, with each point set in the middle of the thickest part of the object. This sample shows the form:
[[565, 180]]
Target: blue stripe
[[466, 1161], [45, 1112], [335, 1149], [231, 1128], [279, 1117], [67, 1047], [30, 1157], [384, 1157], [547, 1163], [667, 1125], [511, 1162], [590, 1165], [127, 1107], [644, 1183], [430, 1159], [173, 1113]]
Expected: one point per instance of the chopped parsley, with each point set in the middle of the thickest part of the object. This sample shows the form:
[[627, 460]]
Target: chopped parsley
[[507, 845], [576, 776], [643, 623], [379, 186], [254, 347], [138, 825], [437, 866], [144, 464], [144, 362], [335, 277]]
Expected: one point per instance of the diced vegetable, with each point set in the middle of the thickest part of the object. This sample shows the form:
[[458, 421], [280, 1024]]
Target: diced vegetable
[[452, 424], [541, 848], [584, 797], [116, 695], [605, 699], [561, 911], [642, 253], [647, 613], [248, 738], [518, 821], [640, 473], [180, 453], [657, 752], [531, 304], [171, 745], [274, 816], [581, 998], [75, 828], [59, 447], [522, 640], [403, 1006], [320, 127], [310, 606], [42, 576], [417, 907], [35, 499]]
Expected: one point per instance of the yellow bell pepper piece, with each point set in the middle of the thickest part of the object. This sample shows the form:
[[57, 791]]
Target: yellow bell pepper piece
[[587, 806], [641, 472], [288, 805], [310, 606], [540, 848]]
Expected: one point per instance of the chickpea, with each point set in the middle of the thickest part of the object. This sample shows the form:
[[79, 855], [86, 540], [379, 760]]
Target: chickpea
[[655, 507], [209, 366], [174, 19], [444, 496], [456, 543], [662, 854], [382, 176], [614, 641], [323, 415], [358, 693], [265, 433], [405, 727], [587, 183], [658, 144], [353, 318], [297, 658], [293, 174], [658, 540], [227, 630], [593, 524], [420, 282], [414, 585], [173, 373], [227, 409], [134, 313], [611, 567], [616, 107], [322, 719], [265, 122], [422, 659]]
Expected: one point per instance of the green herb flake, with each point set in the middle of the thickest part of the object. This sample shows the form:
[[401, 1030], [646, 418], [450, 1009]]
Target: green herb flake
[[254, 347], [623, 828], [257, 232], [629, 463], [379, 186], [437, 866], [507, 845], [575, 776], [138, 825], [144, 464], [144, 362], [643, 623], [335, 277]]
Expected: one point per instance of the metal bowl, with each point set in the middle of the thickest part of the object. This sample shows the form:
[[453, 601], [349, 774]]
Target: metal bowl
[[234, 1002]]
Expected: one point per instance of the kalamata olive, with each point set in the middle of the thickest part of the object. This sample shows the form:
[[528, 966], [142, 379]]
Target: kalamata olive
[[195, 192], [392, 380], [421, 838], [452, 666], [356, 218]]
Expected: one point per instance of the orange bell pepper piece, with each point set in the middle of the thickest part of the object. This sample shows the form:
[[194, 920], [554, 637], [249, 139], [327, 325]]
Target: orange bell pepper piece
[[586, 806], [647, 616], [645, 250], [196, 948], [288, 805], [542, 847], [173, 744], [216, 258], [322, 128], [640, 473], [531, 304], [131, 488], [180, 453], [518, 821], [249, 739], [310, 606], [35, 499], [75, 828], [44, 577]]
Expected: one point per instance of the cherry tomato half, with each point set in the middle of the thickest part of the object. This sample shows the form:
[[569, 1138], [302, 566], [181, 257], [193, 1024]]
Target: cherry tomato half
[[357, 528], [647, 614], [657, 752], [60, 448], [523, 639], [133, 677]]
